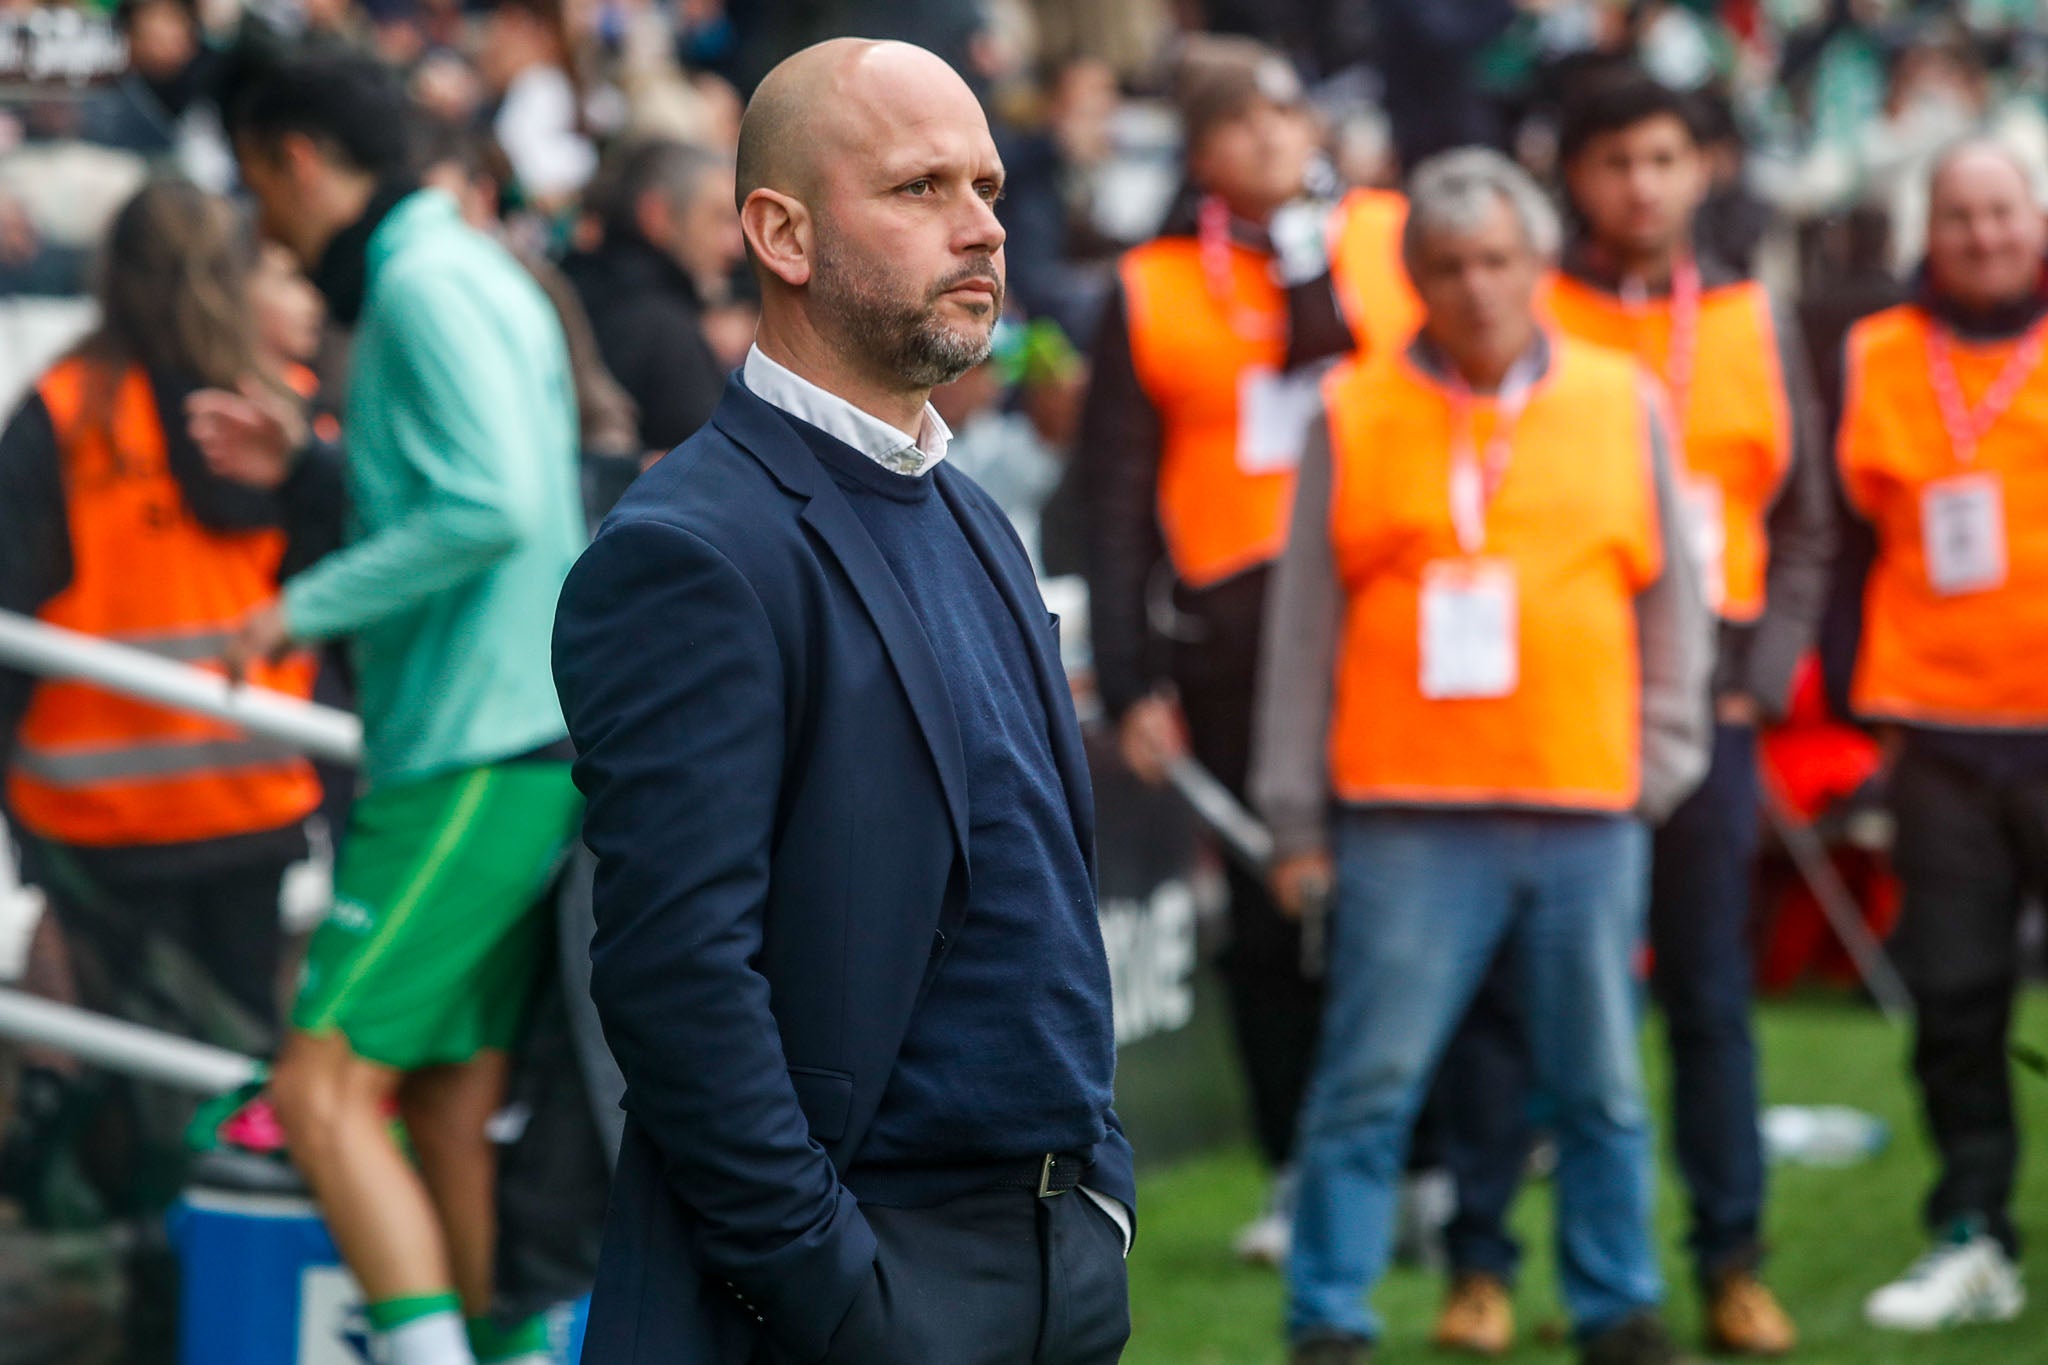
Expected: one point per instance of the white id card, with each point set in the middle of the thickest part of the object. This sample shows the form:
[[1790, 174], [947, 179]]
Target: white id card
[[1706, 519], [1962, 531], [1470, 638], [1274, 412]]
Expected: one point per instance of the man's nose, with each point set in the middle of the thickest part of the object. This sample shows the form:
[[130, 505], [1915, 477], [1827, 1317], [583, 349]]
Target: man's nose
[[981, 230]]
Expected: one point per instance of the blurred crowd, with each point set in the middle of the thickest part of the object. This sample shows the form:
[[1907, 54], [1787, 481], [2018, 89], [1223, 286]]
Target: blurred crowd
[[595, 142]]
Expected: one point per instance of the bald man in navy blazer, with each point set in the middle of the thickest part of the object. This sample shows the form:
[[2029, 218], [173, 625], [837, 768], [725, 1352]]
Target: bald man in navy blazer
[[847, 952]]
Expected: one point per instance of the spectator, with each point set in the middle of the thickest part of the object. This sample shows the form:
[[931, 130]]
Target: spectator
[[1206, 371], [671, 241], [1427, 55], [525, 60], [1498, 659], [1756, 486], [1941, 453], [464, 517], [1055, 267], [162, 107]]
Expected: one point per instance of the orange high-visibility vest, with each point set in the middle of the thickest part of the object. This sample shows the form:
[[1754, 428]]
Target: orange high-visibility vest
[[1372, 282], [1200, 351], [1736, 430], [1971, 659], [1575, 517], [97, 769]]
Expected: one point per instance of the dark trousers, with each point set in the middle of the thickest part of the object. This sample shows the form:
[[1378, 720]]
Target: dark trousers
[[195, 954], [1701, 864], [1276, 1011], [1970, 845], [997, 1277]]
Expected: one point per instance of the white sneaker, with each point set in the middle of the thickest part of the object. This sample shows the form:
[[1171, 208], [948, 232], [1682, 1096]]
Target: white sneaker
[[1265, 1241], [1968, 1278]]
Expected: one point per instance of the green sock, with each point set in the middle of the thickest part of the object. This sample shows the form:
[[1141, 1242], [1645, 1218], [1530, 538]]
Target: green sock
[[518, 1342], [388, 1315]]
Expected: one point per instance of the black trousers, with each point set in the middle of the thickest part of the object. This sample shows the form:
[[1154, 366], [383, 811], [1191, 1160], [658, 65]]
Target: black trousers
[[996, 1277], [1970, 845], [1276, 1012], [197, 955]]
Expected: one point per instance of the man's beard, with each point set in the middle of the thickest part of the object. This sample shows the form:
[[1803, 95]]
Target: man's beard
[[905, 338]]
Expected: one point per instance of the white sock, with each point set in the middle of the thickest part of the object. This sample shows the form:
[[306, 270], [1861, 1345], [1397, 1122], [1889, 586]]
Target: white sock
[[436, 1339]]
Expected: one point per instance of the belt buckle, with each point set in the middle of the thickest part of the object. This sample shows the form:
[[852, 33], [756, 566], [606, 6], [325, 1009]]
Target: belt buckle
[[1045, 1189]]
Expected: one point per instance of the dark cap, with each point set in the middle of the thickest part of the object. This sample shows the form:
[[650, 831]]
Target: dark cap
[[1217, 78]]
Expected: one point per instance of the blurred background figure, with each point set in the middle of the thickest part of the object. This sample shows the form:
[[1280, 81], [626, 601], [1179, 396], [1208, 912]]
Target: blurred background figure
[[1943, 455], [1485, 669], [526, 56], [670, 245]]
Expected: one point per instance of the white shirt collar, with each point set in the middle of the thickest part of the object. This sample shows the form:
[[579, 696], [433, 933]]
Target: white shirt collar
[[870, 435]]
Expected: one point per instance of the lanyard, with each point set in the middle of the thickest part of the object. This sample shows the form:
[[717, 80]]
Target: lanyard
[[1967, 429], [1681, 360], [1212, 232], [1476, 476]]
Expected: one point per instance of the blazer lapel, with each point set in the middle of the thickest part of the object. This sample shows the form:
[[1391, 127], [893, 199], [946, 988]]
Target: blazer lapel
[[994, 542], [764, 432]]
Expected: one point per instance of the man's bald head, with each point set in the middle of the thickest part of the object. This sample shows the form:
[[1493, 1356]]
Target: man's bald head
[[867, 181], [1985, 228], [1977, 161], [808, 107]]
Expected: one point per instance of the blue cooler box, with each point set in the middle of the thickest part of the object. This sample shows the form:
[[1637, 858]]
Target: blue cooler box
[[263, 1285]]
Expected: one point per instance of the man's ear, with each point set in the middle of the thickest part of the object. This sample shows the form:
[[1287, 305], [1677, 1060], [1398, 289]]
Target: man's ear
[[778, 230], [298, 156]]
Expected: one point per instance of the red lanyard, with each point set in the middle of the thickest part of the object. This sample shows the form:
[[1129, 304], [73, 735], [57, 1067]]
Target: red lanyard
[[1967, 429], [1682, 358], [1212, 232], [1476, 476]]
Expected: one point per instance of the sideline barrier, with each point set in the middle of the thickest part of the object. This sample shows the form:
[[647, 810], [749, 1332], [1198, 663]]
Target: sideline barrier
[[51, 651], [127, 1048]]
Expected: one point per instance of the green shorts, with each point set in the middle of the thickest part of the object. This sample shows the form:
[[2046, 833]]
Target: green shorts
[[440, 916]]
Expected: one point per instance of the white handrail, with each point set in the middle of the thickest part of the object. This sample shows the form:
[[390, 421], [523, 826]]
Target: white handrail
[[127, 1048], [37, 647]]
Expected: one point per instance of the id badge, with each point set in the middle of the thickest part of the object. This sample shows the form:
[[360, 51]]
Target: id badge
[[1274, 413], [1962, 529], [1706, 517], [1470, 638]]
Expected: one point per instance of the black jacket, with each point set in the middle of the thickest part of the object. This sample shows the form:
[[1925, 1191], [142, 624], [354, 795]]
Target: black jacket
[[649, 325]]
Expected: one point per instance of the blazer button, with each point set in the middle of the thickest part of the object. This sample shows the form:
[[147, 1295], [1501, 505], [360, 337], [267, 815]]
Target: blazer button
[[938, 942]]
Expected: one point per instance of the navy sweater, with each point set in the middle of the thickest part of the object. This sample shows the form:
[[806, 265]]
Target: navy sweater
[[1011, 1053]]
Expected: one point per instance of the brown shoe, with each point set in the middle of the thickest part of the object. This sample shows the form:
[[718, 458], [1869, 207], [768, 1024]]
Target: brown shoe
[[1745, 1319], [1478, 1317]]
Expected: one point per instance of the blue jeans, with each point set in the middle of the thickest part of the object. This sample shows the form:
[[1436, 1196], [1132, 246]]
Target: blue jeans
[[1701, 862], [1424, 901]]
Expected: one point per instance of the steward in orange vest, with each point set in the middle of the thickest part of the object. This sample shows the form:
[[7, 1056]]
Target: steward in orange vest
[[1942, 452], [1205, 375], [1753, 472], [152, 830], [1488, 652]]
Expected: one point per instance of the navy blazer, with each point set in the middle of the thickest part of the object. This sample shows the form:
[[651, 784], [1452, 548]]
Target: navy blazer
[[778, 805]]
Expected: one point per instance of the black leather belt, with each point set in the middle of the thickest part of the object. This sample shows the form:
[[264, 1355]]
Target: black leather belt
[[1045, 1176]]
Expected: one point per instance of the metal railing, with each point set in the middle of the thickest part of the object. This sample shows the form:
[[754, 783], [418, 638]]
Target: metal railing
[[37, 647], [51, 651]]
